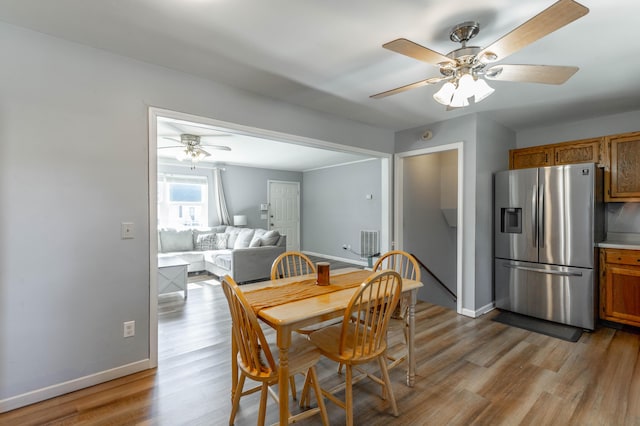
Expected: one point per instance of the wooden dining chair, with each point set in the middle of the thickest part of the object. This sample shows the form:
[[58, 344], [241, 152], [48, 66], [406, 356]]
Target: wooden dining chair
[[291, 264], [407, 266], [359, 341], [256, 362]]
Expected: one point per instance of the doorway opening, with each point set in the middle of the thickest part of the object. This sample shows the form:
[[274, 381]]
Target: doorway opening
[[241, 132], [428, 218]]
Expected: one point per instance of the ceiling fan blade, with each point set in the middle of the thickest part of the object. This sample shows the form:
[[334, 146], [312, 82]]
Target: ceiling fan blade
[[545, 74], [171, 139], [554, 17], [217, 147], [175, 146], [202, 151], [416, 51], [421, 83]]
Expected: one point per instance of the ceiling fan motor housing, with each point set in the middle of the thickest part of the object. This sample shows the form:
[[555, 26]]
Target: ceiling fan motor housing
[[464, 32], [190, 140]]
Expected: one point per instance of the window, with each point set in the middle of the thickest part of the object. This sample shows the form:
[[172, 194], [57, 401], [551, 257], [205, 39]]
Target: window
[[182, 201]]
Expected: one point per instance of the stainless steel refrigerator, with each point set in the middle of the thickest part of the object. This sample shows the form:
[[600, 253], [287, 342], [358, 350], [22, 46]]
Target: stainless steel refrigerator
[[547, 223]]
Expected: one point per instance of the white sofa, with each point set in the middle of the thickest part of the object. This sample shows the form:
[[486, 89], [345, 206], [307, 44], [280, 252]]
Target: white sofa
[[243, 253]]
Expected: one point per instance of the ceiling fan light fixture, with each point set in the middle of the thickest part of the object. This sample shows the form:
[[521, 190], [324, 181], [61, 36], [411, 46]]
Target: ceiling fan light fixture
[[445, 93], [482, 90], [459, 100], [183, 154], [466, 86]]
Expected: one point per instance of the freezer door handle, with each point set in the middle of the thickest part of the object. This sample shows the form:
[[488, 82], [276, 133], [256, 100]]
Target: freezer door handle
[[541, 218], [545, 271], [534, 214]]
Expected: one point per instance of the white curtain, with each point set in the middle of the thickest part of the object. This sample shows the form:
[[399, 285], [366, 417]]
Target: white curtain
[[218, 194]]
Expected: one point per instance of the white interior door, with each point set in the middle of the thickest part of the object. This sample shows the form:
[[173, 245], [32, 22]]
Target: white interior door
[[284, 211]]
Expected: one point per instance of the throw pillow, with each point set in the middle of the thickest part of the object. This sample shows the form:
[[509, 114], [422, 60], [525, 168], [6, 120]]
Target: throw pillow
[[221, 241], [244, 238], [206, 242], [270, 238], [255, 241]]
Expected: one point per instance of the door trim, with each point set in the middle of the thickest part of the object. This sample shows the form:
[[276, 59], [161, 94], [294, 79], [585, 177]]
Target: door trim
[[399, 206]]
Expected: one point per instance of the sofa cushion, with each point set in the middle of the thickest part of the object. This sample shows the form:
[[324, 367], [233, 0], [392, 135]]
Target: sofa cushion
[[233, 236], [174, 240], [244, 238], [188, 256], [256, 240], [270, 238], [206, 242], [221, 242]]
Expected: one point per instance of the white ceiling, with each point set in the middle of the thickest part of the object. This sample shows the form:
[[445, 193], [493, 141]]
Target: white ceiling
[[247, 150], [327, 55]]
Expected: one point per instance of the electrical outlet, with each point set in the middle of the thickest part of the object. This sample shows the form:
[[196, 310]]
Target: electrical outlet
[[129, 329]]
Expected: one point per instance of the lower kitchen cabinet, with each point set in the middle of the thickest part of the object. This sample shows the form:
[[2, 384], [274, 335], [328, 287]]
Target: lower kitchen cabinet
[[620, 286]]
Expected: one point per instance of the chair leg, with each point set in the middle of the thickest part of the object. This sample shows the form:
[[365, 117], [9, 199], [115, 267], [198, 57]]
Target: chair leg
[[389, 390], [348, 393], [304, 394], [318, 391], [292, 385], [263, 403], [236, 399]]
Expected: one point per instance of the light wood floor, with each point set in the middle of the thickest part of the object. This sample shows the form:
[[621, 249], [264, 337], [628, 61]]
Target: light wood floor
[[470, 372]]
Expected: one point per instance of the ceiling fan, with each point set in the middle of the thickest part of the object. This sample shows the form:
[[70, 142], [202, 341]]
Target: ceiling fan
[[191, 148], [462, 69]]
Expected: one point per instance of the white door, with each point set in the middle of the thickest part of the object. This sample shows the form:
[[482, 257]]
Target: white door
[[284, 211]]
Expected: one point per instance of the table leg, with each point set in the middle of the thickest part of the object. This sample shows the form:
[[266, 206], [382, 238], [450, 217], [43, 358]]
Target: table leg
[[284, 341], [411, 360]]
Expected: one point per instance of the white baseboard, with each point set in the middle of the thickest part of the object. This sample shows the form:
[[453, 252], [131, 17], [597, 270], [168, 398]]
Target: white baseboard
[[340, 259], [478, 312], [72, 385]]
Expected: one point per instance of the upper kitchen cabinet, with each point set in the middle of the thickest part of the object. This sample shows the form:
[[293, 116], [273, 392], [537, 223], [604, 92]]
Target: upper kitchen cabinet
[[525, 158], [622, 177], [573, 152]]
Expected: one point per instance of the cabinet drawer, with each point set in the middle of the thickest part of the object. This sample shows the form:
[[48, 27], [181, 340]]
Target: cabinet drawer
[[623, 257]]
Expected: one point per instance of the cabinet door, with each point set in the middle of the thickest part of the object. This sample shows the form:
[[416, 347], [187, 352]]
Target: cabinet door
[[623, 179], [622, 294], [587, 151], [537, 156]]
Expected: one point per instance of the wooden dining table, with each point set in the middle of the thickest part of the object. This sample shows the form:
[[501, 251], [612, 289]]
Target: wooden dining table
[[289, 304]]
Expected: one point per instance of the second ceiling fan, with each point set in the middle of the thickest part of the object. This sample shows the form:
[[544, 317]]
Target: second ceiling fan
[[463, 69]]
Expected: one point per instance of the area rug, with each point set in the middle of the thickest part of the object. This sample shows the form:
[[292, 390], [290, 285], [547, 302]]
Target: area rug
[[548, 328]]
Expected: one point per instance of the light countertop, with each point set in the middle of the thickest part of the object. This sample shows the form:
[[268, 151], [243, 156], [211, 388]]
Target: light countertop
[[627, 241]]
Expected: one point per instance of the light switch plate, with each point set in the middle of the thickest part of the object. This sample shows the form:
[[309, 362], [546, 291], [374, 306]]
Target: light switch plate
[[126, 230]]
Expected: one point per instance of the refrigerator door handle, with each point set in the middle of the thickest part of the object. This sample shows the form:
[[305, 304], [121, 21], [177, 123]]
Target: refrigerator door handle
[[541, 217], [534, 214], [545, 271]]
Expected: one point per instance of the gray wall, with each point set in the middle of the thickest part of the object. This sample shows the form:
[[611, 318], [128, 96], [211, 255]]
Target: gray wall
[[73, 166], [486, 146], [335, 207], [580, 129], [245, 189], [494, 143], [426, 233]]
